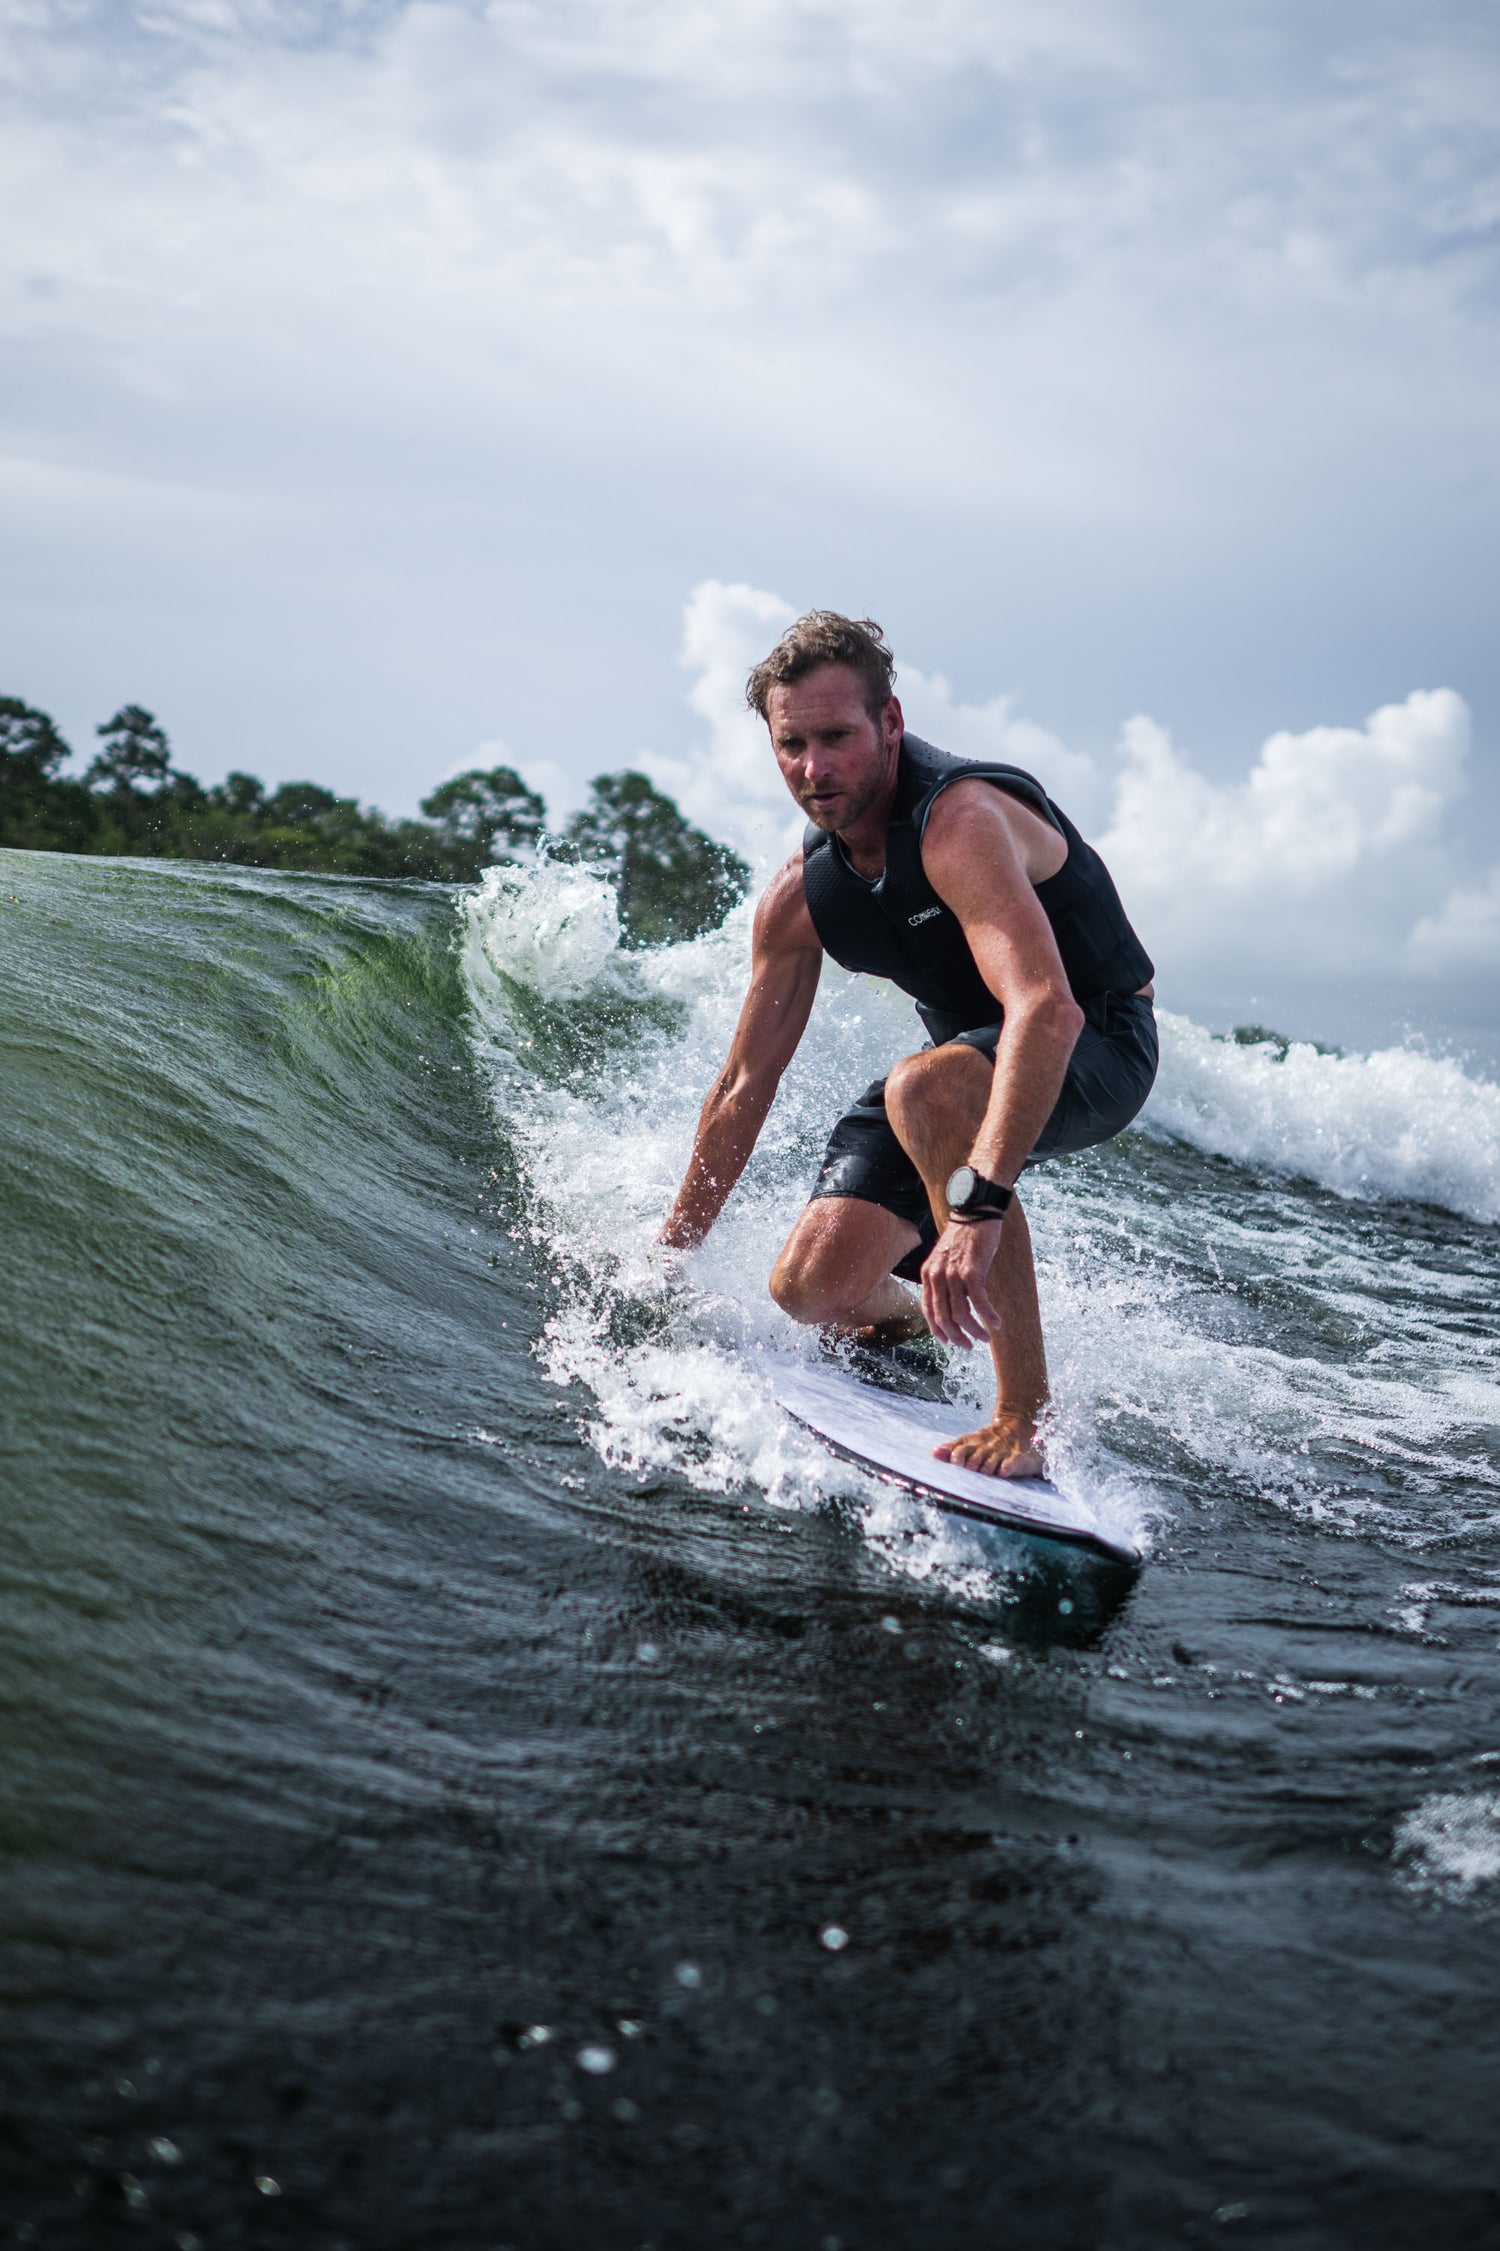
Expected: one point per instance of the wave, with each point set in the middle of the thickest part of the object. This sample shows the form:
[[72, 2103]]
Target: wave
[[1397, 1123]]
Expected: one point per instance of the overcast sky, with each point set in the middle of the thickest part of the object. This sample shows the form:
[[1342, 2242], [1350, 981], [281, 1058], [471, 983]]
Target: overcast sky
[[382, 380]]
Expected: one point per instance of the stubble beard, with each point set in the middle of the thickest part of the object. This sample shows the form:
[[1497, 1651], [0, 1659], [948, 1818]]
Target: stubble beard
[[850, 812]]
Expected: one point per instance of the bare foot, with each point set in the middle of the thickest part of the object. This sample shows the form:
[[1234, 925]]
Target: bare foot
[[1006, 1447]]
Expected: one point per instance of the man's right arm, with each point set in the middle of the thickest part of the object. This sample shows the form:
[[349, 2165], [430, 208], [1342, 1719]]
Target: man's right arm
[[786, 960]]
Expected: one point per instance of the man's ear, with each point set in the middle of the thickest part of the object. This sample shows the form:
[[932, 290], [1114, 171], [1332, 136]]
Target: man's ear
[[892, 724]]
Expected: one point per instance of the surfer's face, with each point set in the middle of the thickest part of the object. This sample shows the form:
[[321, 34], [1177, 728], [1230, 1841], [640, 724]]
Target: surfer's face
[[835, 759]]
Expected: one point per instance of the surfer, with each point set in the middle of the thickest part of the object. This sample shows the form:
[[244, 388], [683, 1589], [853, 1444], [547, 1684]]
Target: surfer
[[961, 881]]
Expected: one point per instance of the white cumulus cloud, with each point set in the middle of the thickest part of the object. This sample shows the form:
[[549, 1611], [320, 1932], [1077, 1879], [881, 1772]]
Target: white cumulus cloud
[[1323, 857]]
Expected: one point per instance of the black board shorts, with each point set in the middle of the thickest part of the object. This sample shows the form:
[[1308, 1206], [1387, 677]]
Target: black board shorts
[[1109, 1077]]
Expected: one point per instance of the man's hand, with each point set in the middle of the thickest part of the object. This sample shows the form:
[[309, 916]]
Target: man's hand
[[955, 1282]]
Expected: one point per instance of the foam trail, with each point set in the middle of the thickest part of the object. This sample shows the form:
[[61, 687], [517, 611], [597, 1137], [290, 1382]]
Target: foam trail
[[1448, 1847]]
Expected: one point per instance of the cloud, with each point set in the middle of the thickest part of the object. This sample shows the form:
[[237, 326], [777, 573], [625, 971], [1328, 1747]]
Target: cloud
[[361, 344], [506, 199], [1338, 859], [1323, 859], [1463, 935]]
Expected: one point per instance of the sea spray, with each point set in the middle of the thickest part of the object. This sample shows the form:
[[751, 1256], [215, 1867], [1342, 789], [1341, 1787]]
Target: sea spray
[[1395, 1123], [1207, 1332]]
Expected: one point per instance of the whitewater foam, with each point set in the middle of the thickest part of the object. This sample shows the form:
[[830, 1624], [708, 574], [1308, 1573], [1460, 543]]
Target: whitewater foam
[[1448, 1846], [1395, 1123], [599, 1060]]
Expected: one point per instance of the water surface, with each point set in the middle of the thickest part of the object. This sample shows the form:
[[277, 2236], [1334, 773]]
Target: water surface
[[476, 1775]]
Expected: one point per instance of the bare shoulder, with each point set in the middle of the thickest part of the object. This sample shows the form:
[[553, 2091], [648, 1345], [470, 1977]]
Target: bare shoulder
[[974, 825], [782, 922]]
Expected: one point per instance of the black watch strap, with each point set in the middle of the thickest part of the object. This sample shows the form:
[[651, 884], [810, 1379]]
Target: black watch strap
[[971, 1196]]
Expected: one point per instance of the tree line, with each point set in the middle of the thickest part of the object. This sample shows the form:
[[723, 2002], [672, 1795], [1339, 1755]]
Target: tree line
[[672, 880]]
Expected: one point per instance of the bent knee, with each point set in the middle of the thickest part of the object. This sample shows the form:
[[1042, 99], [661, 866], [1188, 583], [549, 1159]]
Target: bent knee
[[935, 1078], [802, 1291], [791, 1288]]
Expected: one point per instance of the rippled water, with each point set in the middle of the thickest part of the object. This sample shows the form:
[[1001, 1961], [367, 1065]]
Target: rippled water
[[476, 1775]]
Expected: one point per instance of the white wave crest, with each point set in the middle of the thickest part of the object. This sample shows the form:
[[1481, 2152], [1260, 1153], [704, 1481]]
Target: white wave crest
[[554, 931], [1395, 1123]]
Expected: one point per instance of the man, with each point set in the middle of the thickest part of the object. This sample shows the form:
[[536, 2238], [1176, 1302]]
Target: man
[[966, 885]]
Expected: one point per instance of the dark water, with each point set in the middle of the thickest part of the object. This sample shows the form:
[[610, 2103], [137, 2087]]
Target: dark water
[[448, 1803]]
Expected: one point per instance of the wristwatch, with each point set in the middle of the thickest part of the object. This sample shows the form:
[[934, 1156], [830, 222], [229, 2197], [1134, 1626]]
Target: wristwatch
[[971, 1196]]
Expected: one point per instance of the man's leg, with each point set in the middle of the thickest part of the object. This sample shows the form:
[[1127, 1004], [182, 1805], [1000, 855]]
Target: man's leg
[[936, 1102], [835, 1271]]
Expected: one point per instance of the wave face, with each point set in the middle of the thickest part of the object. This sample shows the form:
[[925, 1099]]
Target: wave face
[[475, 1772], [1212, 1327]]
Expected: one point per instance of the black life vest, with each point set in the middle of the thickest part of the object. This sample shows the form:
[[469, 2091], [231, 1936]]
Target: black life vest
[[898, 927]]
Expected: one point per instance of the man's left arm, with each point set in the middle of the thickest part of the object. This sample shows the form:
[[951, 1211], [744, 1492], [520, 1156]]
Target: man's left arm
[[983, 855]]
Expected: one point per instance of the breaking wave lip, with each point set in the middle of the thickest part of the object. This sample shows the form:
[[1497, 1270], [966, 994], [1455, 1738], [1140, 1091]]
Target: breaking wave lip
[[1395, 1123], [598, 1060]]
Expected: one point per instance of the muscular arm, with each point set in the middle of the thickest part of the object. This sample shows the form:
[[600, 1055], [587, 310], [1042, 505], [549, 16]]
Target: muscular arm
[[786, 959], [984, 853]]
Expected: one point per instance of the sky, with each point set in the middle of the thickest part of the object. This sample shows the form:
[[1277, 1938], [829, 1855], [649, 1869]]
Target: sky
[[395, 385]]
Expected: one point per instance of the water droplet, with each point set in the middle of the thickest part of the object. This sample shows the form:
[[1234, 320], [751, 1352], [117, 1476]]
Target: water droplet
[[891, 1625], [688, 1974], [597, 2058], [532, 2036], [625, 2110], [834, 1938], [125, 2087], [135, 2196], [1065, 1607], [266, 2185], [629, 2028], [189, 2242], [766, 2005], [647, 1652]]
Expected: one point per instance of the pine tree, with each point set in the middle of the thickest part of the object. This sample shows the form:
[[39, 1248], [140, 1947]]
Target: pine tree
[[39, 810], [672, 881], [493, 811], [135, 751]]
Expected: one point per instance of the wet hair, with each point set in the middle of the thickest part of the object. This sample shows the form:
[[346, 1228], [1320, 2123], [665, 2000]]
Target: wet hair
[[824, 637]]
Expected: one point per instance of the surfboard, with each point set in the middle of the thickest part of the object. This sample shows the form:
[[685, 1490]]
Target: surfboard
[[895, 1436]]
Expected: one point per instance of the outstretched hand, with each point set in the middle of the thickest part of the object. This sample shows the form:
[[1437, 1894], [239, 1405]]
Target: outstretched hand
[[955, 1282]]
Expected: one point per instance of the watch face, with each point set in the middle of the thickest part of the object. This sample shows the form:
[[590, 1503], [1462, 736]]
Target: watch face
[[961, 1186]]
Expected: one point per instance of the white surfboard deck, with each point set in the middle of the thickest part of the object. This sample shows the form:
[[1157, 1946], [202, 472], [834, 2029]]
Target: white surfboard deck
[[895, 1436]]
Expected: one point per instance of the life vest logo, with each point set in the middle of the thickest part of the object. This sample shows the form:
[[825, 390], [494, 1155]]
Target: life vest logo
[[926, 915]]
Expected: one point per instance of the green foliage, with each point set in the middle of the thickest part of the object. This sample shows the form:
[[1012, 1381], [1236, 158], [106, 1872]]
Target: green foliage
[[136, 752], [494, 812], [671, 879], [38, 810]]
